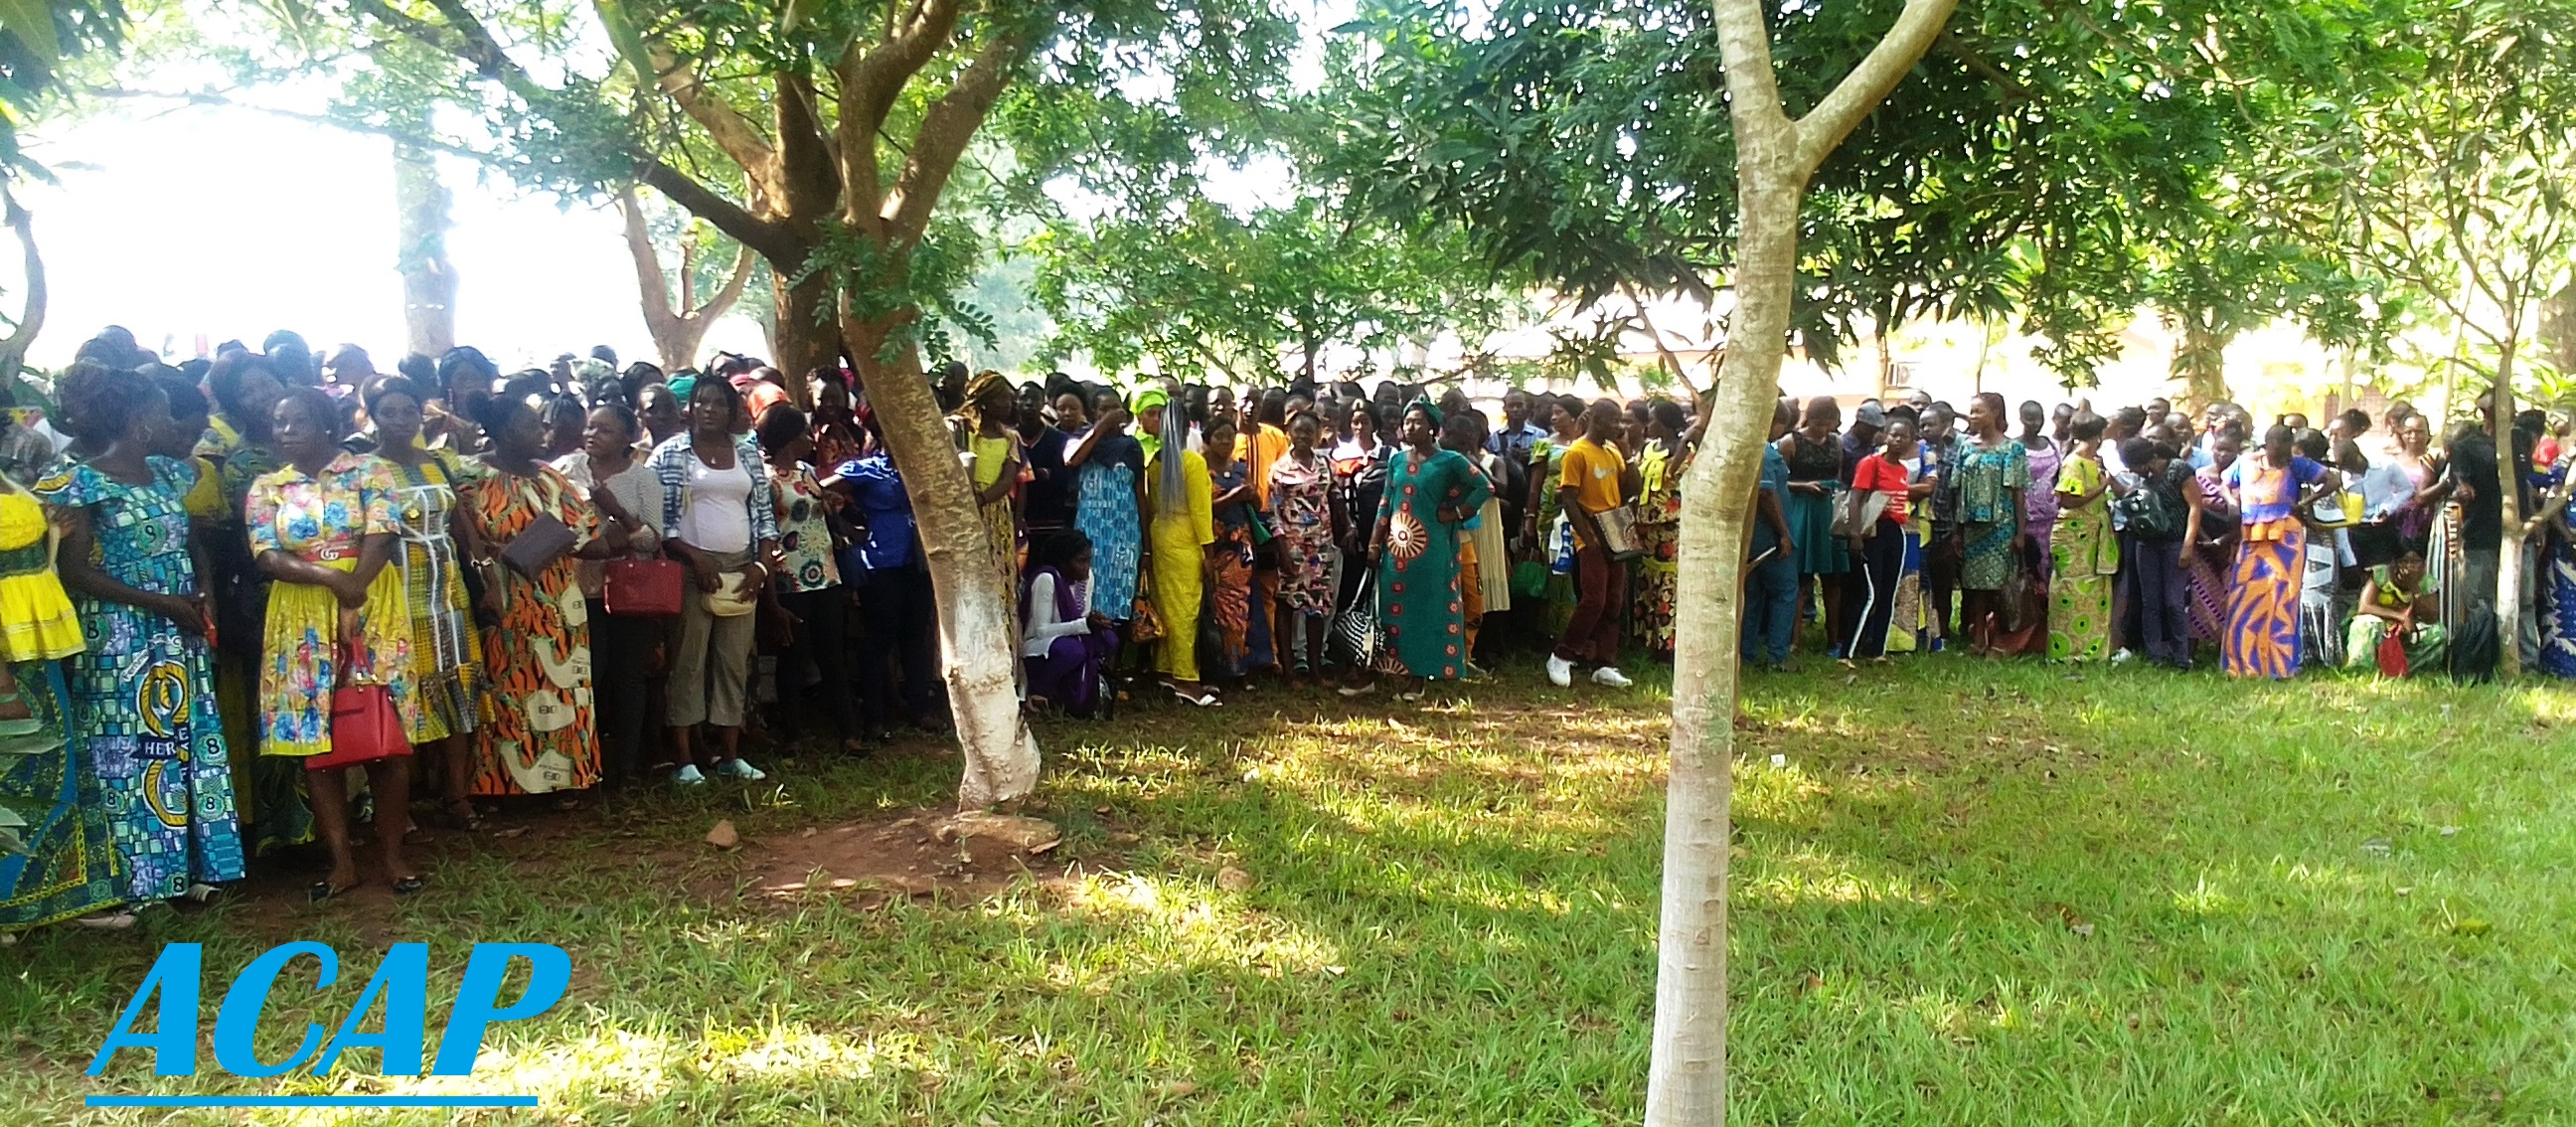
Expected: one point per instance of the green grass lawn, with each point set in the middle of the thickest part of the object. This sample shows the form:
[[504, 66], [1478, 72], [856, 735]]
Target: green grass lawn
[[1972, 894]]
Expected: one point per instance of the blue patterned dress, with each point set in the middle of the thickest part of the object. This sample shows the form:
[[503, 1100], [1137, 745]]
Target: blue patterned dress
[[2557, 586], [143, 695], [1104, 509]]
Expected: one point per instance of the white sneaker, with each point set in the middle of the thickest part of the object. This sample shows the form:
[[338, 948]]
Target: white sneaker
[[2123, 657], [1611, 677], [741, 769], [688, 776], [1560, 672]]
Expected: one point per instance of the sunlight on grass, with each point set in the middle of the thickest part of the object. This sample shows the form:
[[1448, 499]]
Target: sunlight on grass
[[1972, 893]]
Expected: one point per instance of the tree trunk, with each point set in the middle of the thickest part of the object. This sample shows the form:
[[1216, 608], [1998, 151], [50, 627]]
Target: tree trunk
[[2200, 362], [677, 328], [2558, 329], [420, 256], [1686, 1080], [801, 340], [976, 626], [13, 350], [2509, 577]]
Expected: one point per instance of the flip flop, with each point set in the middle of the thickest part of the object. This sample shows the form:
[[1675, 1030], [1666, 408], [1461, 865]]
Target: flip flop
[[1205, 699], [322, 890], [410, 885]]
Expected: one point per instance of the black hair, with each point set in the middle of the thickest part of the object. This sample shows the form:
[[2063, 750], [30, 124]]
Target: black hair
[[182, 392], [534, 381], [420, 368], [99, 402], [2355, 422], [2310, 444], [492, 412], [2131, 418], [1670, 414], [2137, 452], [1058, 550], [313, 399], [624, 415], [224, 381], [781, 424], [2087, 426], [383, 386], [732, 394], [464, 360]]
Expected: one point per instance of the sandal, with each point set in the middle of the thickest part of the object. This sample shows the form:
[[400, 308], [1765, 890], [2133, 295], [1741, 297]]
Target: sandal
[[322, 890], [1205, 699], [468, 820], [410, 885]]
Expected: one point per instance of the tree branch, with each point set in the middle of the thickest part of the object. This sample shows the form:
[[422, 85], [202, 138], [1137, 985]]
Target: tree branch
[[767, 238], [464, 37], [226, 101], [731, 291], [648, 265], [946, 127], [13, 351], [658, 67], [870, 83], [1824, 127]]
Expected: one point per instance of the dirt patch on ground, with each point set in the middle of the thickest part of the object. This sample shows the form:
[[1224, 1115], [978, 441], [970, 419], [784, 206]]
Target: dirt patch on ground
[[872, 861]]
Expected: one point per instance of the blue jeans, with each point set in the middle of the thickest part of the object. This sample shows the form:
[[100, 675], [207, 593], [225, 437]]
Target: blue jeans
[[1770, 609]]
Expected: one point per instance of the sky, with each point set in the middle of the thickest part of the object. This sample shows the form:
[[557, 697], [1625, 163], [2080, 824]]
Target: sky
[[221, 223]]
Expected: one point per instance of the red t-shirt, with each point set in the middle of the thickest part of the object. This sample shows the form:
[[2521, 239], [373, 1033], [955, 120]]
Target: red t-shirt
[[1876, 472]]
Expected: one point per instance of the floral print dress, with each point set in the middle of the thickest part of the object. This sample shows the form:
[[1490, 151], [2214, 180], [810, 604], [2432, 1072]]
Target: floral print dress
[[324, 518]]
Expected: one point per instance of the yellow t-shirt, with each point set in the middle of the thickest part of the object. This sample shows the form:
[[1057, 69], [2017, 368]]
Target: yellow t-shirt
[[1593, 471]]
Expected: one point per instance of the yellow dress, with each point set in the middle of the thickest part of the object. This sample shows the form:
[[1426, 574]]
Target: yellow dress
[[37, 622], [1180, 543]]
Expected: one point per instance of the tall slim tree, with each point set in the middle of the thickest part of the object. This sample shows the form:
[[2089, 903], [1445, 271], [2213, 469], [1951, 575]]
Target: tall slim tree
[[678, 321]]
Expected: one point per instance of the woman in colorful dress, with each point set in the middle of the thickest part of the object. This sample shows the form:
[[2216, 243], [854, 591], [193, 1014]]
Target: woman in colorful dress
[[2394, 599], [1242, 628], [65, 861], [2039, 502], [1360, 465], [540, 737], [2208, 563], [446, 653], [1815, 456], [1546, 527], [1991, 470], [323, 528], [143, 693], [1109, 506], [1430, 493], [1181, 540], [1308, 525], [1665, 459], [995, 462], [807, 590], [2269, 491], [2084, 554]]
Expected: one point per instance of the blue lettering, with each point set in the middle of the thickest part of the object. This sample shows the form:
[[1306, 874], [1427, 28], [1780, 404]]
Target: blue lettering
[[238, 1021], [173, 1041], [403, 983], [549, 971]]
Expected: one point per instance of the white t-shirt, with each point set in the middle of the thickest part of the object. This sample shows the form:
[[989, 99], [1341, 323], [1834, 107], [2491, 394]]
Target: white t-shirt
[[1041, 628], [717, 514]]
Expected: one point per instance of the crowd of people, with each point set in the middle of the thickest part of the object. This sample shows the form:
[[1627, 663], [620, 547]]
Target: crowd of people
[[253, 600]]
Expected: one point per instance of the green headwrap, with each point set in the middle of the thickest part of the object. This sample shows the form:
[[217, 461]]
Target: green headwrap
[[1427, 407]]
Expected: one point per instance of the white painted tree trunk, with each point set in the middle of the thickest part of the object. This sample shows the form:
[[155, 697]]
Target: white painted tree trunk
[[1686, 1082], [2509, 577], [976, 630]]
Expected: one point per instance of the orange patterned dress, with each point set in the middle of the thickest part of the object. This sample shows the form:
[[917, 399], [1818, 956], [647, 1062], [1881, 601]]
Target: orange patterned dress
[[540, 736]]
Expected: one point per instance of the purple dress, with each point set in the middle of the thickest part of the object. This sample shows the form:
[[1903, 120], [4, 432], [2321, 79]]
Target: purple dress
[[1069, 672]]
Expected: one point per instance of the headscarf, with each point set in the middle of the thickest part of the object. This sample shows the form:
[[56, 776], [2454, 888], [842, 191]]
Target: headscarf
[[1427, 407], [1150, 395], [985, 381], [680, 389]]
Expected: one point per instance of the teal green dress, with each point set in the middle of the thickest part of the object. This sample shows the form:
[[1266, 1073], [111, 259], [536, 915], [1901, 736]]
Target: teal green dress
[[1420, 604]]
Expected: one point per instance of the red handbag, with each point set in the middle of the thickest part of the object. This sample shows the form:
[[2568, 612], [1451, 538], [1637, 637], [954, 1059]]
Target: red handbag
[[643, 588], [364, 728], [2392, 652]]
